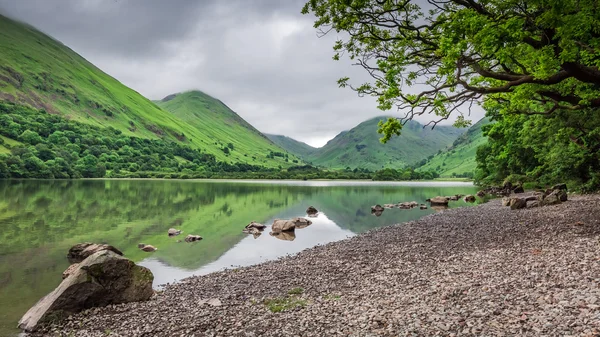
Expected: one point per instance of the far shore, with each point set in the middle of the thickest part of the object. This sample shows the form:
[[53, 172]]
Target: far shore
[[483, 270]]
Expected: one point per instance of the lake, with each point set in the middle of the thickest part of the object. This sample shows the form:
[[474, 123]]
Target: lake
[[40, 220]]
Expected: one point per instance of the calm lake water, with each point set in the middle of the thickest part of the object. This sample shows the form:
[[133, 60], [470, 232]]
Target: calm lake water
[[41, 220]]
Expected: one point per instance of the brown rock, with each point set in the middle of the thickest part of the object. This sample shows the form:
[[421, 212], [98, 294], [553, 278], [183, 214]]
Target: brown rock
[[282, 226], [101, 279], [256, 225], [192, 238], [81, 251], [376, 208], [423, 206], [517, 203], [70, 270], [301, 223], [481, 194], [533, 203], [311, 210], [469, 198], [149, 248], [505, 201], [174, 232], [439, 201]]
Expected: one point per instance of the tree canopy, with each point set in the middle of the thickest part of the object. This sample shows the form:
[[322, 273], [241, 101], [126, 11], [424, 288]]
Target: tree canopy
[[516, 56]]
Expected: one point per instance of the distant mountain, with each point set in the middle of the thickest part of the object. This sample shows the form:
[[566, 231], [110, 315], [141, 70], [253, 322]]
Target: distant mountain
[[39, 71], [298, 148], [220, 126], [360, 147], [459, 159]]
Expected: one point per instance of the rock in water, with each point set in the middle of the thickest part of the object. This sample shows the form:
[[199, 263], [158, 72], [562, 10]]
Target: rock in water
[[192, 238], [174, 232], [481, 194], [282, 226], [101, 279], [301, 223], [256, 225], [285, 236], [149, 248], [470, 198], [311, 210], [81, 251], [439, 201], [377, 209]]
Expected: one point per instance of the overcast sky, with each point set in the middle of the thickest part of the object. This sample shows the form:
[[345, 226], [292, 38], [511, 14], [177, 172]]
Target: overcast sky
[[262, 58]]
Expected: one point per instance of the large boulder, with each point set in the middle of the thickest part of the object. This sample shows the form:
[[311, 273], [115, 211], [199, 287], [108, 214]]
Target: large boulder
[[81, 251], [439, 201], [101, 279], [517, 203], [555, 197], [283, 226]]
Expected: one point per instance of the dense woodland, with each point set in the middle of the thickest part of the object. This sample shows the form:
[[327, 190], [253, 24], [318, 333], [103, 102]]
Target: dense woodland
[[51, 146]]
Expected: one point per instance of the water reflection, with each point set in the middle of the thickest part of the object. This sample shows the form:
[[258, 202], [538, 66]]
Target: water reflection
[[41, 220]]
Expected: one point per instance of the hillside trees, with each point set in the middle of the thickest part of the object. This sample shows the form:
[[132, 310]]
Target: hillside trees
[[526, 57]]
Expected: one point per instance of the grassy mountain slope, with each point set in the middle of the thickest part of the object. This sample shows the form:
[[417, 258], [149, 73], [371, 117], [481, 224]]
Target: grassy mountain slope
[[460, 157], [360, 147], [38, 71], [291, 145], [220, 126]]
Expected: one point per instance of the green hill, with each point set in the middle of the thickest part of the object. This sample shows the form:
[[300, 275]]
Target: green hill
[[298, 148], [39, 71], [459, 159], [360, 147], [221, 128]]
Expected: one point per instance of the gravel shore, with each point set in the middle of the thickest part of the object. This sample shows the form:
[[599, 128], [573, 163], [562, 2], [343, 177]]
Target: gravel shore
[[485, 271]]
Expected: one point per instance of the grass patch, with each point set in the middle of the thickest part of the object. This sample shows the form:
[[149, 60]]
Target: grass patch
[[280, 304], [296, 291], [332, 297]]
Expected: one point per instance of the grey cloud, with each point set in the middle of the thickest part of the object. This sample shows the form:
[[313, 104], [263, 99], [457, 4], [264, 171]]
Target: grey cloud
[[261, 58]]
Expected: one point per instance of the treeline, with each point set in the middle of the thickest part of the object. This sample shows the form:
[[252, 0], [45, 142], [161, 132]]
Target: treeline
[[54, 147], [542, 149], [390, 174]]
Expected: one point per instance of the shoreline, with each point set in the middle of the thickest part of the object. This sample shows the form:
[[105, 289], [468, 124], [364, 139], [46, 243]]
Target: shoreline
[[483, 270]]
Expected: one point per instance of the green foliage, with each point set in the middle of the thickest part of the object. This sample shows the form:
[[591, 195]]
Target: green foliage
[[390, 174], [291, 145], [563, 147], [527, 57], [296, 291], [459, 160]]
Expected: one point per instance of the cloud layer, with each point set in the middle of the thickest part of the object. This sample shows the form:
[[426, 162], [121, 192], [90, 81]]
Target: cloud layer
[[262, 58]]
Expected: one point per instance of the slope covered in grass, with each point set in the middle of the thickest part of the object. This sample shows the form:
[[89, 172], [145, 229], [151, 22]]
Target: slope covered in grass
[[222, 128], [291, 145], [39, 71], [360, 147], [459, 159]]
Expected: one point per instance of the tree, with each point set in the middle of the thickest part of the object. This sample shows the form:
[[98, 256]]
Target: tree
[[519, 56]]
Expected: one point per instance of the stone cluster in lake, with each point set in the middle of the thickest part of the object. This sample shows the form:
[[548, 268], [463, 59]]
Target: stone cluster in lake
[[98, 276]]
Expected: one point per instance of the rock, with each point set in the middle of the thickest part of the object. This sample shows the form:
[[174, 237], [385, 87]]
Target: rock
[[103, 278], [505, 201], [282, 226], [256, 225], [517, 203], [552, 199], [300, 223], [439, 201], [560, 187], [81, 251], [533, 203], [149, 248], [285, 236], [481, 194], [376, 213], [389, 206], [518, 189], [423, 206], [532, 198], [70, 270], [192, 238], [507, 186], [311, 210], [376, 208], [453, 197], [469, 198], [141, 245], [174, 232], [562, 194]]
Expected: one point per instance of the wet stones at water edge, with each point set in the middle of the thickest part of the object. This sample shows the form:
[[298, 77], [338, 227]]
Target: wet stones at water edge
[[377, 210], [192, 238], [502, 191], [147, 248], [173, 232], [469, 198], [312, 212], [254, 228], [102, 278], [81, 251], [289, 225], [439, 201], [552, 196]]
